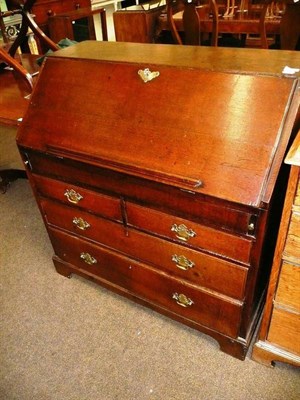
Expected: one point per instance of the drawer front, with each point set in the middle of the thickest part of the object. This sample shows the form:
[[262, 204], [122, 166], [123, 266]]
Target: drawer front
[[235, 247], [172, 294], [106, 206], [184, 263], [288, 290], [44, 9], [208, 211], [292, 246], [284, 330]]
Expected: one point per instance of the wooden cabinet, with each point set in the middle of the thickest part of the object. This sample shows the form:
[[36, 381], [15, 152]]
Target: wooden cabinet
[[279, 336], [77, 24], [156, 176], [43, 9], [137, 23]]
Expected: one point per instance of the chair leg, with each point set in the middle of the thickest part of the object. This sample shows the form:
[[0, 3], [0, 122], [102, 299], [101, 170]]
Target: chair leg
[[9, 175], [21, 71]]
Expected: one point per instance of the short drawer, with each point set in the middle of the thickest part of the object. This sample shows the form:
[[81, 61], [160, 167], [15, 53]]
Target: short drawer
[[288, 290], [284, 330], [169, 199], [175, 260], [189, 233], [98, 203], [215, 312]]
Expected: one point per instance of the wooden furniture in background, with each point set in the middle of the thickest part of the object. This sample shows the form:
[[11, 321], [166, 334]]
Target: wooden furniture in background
[[27, 21], [7, 58], [43, 9], [137, 23], [251, 22], [289, 24], [62, 25], [192, 13], [279, 335], [15, 93], [147, 191]]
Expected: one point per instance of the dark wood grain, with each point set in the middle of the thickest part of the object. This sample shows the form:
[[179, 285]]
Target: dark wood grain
[[221, 152]]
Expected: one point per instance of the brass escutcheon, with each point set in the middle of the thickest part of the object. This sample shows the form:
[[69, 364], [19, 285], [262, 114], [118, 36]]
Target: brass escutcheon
[[182, 232], [146, 75], [81, 223], [182, 300], [182, 262], [72, 196], [87, 258]]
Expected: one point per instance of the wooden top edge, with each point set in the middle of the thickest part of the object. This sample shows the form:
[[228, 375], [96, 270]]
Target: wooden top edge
[[235, 60]]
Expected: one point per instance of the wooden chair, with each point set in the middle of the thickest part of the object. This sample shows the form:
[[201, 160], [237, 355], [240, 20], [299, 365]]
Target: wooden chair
[[191, 20], [8, 57], [12, 168], [289, 25], [192, 11]]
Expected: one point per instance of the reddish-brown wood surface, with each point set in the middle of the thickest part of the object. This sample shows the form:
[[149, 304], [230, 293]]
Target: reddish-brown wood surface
[[61, 25], [216, 274], [136, 24], [182, 203], [223, 148], [43, 9], [253, 61], [215, 312]]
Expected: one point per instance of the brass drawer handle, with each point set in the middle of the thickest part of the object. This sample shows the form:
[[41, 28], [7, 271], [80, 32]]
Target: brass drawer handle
[[72, 196], [251, 227], [87, 258], [182, 232], [182, 262], [182, 300], [81, 223]]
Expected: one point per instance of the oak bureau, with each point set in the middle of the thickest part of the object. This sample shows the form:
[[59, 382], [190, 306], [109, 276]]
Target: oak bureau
[[158, 173]]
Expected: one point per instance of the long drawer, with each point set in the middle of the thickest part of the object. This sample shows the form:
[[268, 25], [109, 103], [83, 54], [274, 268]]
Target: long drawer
[[193, 266], [209, 309]]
